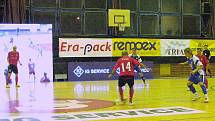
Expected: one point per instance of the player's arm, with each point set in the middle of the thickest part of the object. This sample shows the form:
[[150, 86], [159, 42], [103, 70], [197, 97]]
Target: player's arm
[[8, 57], [209, 56], [206, 68], [199, 66], [206, 62], [114, 69], [184, 63], [19, 60], [111, 74]]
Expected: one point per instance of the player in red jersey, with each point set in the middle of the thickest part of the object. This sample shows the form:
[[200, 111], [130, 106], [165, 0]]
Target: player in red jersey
[[126, 65], [205, 63], [13, 59]]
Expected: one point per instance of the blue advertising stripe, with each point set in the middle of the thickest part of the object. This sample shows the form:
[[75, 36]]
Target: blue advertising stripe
[[89, 71]]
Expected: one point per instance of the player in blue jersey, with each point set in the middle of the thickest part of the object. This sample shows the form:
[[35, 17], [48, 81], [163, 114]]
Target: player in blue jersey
[[138, 58], [197, 75], [31, 68]]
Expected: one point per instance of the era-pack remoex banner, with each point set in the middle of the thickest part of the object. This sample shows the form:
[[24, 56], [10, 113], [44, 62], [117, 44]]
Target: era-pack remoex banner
[[85, 47]]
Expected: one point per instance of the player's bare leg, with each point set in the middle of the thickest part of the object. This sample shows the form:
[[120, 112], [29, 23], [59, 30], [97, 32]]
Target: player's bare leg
[[8, 79], [121, 94], [16, 78], [131, 93], [122, 100]]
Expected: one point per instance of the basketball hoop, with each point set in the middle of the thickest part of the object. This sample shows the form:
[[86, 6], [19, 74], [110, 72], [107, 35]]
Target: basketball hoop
[[121, 27]]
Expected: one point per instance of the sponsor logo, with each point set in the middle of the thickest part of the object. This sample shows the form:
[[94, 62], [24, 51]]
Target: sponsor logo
[[85, 47], [65, 46], [145, 47], [173, 47], [175, 51], [145, 70], [137, 45], [176, 47], [107, 115], [97, 71], [78, 71]]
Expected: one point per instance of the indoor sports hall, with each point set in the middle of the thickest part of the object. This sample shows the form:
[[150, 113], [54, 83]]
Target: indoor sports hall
[[107, 60]]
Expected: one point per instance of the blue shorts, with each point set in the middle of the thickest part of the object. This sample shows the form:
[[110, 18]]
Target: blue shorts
[[196, 78]]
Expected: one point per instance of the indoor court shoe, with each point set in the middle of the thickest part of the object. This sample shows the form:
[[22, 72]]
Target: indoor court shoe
[[131, 104], [120, 101], [7, 86], [196, 97], [17, 85]]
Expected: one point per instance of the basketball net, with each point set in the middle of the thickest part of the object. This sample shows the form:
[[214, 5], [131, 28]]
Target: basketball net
[[121, 27]]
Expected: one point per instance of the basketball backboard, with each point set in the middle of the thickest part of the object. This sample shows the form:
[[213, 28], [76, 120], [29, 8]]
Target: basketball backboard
[[119, 17]]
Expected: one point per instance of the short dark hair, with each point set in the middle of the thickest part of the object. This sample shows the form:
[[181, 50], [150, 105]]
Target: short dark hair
[[14, 47]]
